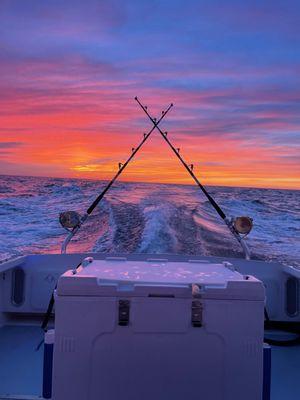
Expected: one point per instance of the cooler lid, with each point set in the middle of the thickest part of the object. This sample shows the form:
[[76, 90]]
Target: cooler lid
[[113, 276]]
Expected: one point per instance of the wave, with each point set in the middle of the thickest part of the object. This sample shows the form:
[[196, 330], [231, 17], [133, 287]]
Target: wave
[[158, 236], [145, 218]]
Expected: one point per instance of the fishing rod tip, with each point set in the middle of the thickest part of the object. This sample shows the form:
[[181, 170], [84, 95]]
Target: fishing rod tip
[[135, 98], [172, 104]]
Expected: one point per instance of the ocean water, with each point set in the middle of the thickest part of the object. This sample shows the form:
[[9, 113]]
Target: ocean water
[[146, 218]]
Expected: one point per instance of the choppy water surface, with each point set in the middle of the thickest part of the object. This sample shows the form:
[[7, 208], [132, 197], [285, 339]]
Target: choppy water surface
[[145, 218]]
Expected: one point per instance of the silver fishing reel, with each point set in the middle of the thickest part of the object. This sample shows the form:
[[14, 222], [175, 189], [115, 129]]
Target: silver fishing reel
[[69, 219], [243, 225]]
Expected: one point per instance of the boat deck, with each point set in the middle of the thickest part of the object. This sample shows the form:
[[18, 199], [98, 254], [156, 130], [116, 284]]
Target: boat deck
[[21, 364], [22, 379]]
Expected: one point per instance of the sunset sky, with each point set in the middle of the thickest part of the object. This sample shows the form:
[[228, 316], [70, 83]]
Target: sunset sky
[[69, 72]]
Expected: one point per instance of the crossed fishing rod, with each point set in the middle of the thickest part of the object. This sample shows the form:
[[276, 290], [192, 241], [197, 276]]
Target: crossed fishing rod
[[189, 167]]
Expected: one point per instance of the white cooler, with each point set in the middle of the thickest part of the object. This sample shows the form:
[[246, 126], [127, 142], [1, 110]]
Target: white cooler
[[158, 330]]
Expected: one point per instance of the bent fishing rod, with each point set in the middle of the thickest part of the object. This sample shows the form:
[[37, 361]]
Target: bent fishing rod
[[71, 220], [229, 223]]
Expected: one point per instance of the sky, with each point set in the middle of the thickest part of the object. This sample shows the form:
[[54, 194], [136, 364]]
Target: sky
[[69, 72]]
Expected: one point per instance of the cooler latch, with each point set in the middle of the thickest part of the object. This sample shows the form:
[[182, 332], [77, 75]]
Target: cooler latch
[[124, 311], [197, 309]]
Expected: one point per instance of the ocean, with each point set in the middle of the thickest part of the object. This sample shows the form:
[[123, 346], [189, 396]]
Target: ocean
[[146, 218]]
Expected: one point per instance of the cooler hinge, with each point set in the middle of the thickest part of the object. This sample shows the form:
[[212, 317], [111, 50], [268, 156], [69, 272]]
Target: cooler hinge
[[124, 311], [197, 309]]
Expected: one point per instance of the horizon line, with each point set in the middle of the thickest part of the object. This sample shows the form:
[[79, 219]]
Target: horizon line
[[150, 183]]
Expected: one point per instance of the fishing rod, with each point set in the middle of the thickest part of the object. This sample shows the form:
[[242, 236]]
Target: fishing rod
[[240, 224], [71, 220]]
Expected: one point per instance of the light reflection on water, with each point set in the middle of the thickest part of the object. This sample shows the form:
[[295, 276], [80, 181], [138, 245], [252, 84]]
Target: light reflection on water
[[147, 218]]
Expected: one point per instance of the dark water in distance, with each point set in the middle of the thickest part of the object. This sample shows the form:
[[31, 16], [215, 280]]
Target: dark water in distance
[[146, 218]]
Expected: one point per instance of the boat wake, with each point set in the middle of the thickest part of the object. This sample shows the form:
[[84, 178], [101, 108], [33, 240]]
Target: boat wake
[[145, 218]]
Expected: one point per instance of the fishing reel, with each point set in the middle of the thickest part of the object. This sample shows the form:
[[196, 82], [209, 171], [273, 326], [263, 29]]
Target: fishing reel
[[69, 219], [242, 225]]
